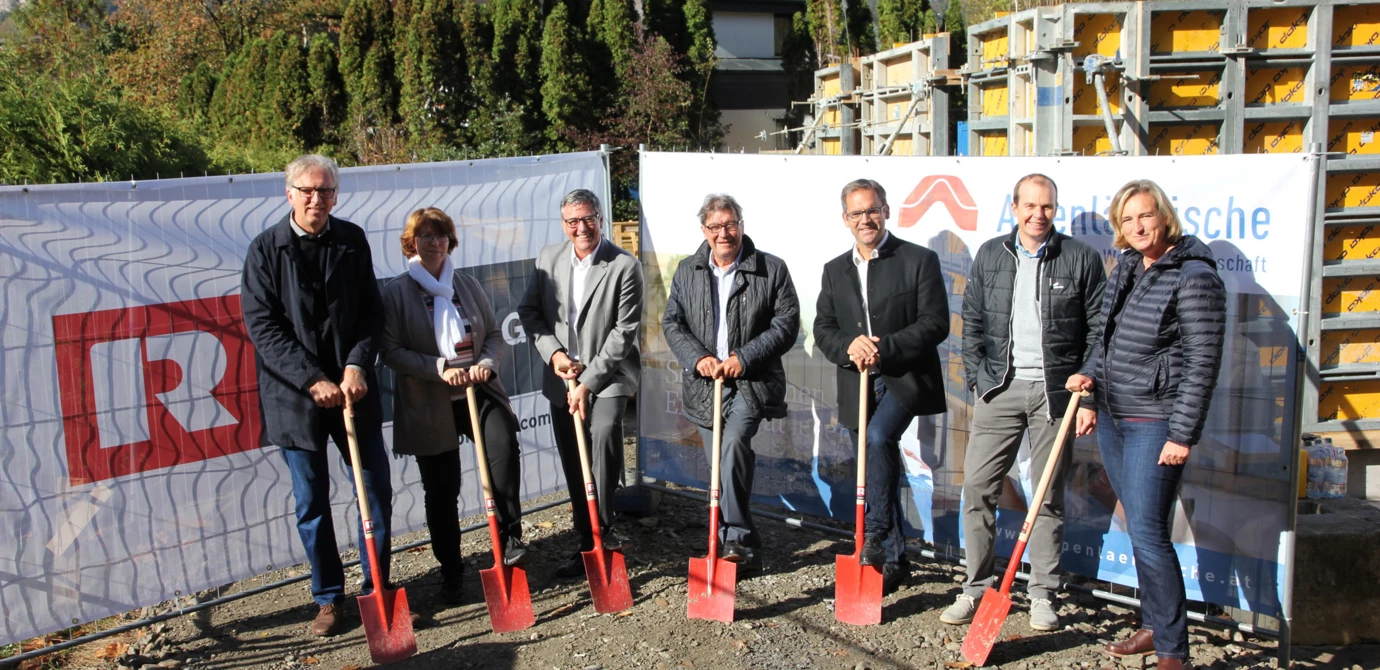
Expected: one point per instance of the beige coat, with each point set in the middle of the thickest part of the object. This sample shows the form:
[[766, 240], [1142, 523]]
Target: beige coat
[[423, 424]]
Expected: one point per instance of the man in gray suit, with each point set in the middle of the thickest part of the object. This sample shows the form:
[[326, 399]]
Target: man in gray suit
[[582, 312]]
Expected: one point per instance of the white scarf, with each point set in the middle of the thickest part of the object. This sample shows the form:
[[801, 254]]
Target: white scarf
[[445, 318]]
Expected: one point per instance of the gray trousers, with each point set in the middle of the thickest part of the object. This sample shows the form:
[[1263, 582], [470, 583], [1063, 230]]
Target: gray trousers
[[604, 440], [737, 462], [998, 425]]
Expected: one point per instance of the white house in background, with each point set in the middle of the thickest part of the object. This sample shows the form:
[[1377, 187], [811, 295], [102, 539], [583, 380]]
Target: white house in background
[[749, 85]]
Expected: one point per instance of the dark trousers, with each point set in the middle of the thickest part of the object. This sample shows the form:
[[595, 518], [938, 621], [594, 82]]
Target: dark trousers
[[604, 439], [887, 421], [311, 490], [441, 476], [736, 465], [1147, 490]]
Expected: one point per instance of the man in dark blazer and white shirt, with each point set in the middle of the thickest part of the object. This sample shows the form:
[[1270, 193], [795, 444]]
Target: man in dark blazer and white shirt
[[882, 305], [312, 308], [583, 313]]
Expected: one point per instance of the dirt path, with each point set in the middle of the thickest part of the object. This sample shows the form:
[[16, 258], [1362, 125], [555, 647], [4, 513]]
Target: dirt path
[[784, 617]]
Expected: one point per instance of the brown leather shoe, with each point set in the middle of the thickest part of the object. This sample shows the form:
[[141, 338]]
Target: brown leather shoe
[[1139, 644], [1171, 664], [329, 620]]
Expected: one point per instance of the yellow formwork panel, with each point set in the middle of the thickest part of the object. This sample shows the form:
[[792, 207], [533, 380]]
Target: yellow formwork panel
[[1176, 90], [1085, 95], [1351, 243], [995, 48], [1278, 28], [994, 101], [1350, 295], [1353, 189], [993, 143], [895, 109], [1273, 137], [899, 73], [903, 146], [1355, 82], [1186, 31], [830, 86], [1348, 401], [1356, 26], [1096, 34], [1276, 85], [1090, 140], [1349, 347], [1198, 139], [1354, 136], [832, 146]]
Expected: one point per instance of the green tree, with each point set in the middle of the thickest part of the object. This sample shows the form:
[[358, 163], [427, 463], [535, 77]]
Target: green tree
[[433, 75], [366, 62], [930, 24], [194, 95], [826, 28], [287, 115], [565, 88], [956, 27], [799, 60], [862, 39], [666, 18], [611, 28], [700, 63], [325, 89], [900, 20], [514, 71]]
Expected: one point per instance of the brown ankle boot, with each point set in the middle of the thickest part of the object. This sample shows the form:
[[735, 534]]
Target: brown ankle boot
[[1171, 664], [329, 621], [1139, 644]]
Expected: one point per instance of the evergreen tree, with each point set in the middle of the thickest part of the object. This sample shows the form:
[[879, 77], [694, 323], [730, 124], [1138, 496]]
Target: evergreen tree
[[799, 60], [515, 69], [862, 40], [958, 33], [699, 54], [195, 94], [433, 74], [366, 62], [325, 90], [892, 22], [826, 28], [565, 88], [477, 39], [611, 27], [929, 25], [666, 18]]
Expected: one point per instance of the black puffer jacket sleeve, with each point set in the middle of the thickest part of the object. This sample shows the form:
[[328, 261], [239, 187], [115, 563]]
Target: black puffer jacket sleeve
[[1201, 306]]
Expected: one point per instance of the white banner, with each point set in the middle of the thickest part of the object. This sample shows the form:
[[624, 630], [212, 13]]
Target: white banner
[[1252, 211], [112, 499]]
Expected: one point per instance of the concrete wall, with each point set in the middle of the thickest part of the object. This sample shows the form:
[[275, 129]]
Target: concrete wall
[[1337, 574], [745, 124], [744, 35]]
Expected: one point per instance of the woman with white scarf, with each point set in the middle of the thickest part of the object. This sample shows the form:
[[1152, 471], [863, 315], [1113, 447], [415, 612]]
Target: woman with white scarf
[[441, 336]]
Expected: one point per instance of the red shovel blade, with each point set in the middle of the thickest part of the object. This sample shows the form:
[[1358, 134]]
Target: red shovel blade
[[857, 591], [608, 581], [387, 625], [712, 601], [986, 627], [510, 609]]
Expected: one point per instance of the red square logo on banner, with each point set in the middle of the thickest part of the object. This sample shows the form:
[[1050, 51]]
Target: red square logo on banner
[[152, 387]]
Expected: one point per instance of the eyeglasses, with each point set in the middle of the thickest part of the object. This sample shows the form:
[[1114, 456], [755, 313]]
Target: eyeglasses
[[591, 221], [730, 226], [307, 192], [432, 238], [872, 213]]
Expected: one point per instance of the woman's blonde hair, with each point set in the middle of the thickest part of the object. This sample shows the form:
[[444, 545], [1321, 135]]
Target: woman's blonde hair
[[428, 216], [1174, 230]]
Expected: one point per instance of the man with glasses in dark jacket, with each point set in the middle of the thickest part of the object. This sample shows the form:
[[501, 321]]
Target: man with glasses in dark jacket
[[731, 315], [1030, 314], [883, 307]]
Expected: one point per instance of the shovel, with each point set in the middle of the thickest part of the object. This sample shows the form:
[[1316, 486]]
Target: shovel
[[505, 588], [713, 579], [384, 613], [608, 577], [858, 587], [991, 614]]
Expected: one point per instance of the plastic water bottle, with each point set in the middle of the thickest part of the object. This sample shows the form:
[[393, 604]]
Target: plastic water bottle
[[1336, 470], [1317, 469]]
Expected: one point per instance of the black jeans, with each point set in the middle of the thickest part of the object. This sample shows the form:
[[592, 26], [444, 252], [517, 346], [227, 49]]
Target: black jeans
[[441, 481]]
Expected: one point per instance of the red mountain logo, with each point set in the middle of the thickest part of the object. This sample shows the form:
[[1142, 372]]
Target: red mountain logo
[[947, 190]]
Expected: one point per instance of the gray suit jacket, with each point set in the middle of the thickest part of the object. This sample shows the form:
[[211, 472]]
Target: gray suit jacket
[[610, 322], [422, 420]]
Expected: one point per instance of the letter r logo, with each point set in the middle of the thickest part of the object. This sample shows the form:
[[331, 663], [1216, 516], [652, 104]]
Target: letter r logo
[[947, 190], [152, 387]]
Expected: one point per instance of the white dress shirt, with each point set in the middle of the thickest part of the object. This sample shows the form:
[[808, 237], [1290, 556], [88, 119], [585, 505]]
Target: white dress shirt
[[579, 273], [723, 284], [861, 264]]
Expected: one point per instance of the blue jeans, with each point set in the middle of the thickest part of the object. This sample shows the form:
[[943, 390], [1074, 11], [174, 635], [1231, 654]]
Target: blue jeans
[[888, 421], [1130, 453], [311, 488]]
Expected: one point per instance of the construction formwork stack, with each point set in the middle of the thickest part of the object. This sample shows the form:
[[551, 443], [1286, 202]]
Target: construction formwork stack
[[890, 103], [1170, 77]]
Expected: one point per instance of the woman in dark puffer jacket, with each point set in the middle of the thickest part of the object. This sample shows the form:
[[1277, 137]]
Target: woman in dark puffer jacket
[[1152, 370]]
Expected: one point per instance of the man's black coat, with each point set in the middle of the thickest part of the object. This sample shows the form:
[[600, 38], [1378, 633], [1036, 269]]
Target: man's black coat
[[910, 313], [278, 294]]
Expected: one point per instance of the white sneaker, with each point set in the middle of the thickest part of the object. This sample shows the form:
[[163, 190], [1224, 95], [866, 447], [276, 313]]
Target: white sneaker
[[1042, 616], [961, 612]]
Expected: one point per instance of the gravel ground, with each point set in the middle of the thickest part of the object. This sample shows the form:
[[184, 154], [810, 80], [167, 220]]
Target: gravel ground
[[784, 617]]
